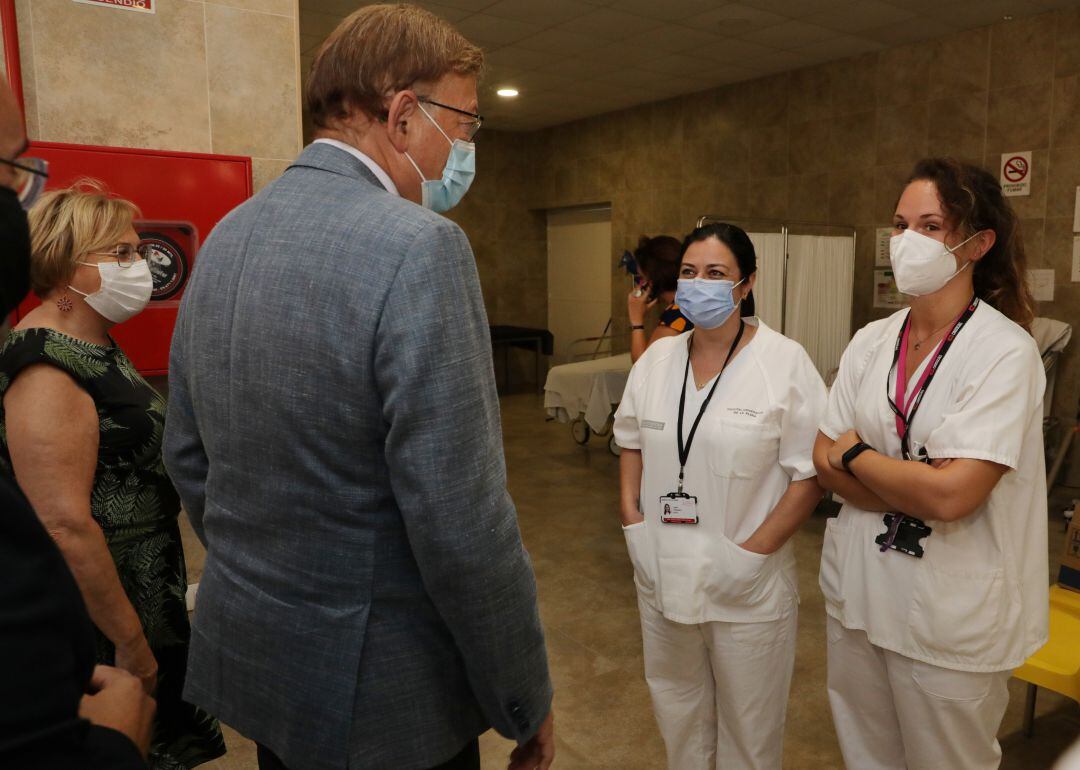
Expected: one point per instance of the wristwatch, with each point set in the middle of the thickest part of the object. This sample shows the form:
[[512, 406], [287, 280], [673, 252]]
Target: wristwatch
[[637, 326], [852, 453]]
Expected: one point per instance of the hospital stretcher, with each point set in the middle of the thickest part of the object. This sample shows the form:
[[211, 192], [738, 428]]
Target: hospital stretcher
[[586, 394]]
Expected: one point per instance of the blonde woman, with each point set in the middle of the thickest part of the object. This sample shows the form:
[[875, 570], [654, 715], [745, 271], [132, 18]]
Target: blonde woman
[[82, 434]]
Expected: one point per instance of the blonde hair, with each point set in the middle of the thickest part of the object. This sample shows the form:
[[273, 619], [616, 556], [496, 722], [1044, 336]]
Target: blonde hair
[[379, 50], [66, 225]]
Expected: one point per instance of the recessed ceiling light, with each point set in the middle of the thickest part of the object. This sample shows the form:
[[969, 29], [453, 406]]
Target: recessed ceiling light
[[1007, 17], [507, 93]]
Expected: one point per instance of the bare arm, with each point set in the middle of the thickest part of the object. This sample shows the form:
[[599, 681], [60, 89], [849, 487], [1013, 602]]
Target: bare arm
[[630, 467], [944, 491], [784, 520], [638, 343], [841, 482], [52, 429]]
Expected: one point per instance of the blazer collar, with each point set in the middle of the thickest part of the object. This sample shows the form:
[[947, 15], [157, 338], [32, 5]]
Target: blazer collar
[[326, 157]]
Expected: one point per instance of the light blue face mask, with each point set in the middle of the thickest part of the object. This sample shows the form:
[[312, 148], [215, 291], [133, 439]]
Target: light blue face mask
[[441, 195], [706, 303]]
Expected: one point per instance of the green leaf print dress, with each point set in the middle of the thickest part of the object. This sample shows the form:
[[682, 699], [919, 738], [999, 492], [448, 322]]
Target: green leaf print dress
[[136, 507]]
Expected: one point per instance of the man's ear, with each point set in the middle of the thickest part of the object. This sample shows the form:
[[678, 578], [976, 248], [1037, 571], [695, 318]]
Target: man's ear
[[402, 109]]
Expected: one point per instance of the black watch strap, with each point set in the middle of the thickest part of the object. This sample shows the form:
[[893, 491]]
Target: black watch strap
[[852, 453], [637, 326]]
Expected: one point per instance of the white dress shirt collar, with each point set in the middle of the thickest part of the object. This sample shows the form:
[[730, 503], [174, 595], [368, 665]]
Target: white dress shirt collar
[[376, 169]]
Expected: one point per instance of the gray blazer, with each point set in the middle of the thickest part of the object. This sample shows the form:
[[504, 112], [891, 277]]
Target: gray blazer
[[333, 431]]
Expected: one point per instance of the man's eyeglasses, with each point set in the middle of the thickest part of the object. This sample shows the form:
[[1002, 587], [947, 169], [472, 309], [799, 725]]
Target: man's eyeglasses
[[473, 125], [30, 176], [125, 254]]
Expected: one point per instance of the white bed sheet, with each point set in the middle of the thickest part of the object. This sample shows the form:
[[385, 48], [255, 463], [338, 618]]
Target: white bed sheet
[[586, 388]]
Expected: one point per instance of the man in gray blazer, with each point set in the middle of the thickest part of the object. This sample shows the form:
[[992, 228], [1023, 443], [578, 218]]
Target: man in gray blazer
[[333, 431]]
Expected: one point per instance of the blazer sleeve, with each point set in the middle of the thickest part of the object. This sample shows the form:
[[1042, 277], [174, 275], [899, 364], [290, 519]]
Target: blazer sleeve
[[183, 450], [444, 453]]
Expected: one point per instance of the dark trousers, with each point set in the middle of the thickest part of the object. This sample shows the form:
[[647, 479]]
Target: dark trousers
[[468, 759]]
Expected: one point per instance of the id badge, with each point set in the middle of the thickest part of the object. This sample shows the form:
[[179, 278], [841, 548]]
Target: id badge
[[678, 508], [903, 533]]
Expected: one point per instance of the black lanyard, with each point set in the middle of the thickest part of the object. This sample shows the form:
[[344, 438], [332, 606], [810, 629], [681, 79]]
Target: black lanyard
[[916, 399], [684, 451]]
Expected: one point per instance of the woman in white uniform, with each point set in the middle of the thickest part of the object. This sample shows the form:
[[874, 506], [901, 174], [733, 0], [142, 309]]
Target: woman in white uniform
[[717, 427], [935, 571]]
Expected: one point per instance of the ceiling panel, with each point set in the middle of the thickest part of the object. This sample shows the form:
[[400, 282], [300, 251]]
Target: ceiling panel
[[610, 24], [734, 19], [678, 64], [872, 13], [490, 31], [789, 34], [575, 58], [546, 14], [560, 42]]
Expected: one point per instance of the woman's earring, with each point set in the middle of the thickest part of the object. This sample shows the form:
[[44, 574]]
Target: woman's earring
[[64, 303]]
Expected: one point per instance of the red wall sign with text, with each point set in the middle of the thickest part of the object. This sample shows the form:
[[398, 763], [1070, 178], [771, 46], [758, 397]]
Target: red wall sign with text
[[143, 6]]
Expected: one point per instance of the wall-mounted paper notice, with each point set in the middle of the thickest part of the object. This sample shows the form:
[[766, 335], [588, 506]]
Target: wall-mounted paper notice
[[886, 294], [881, 248], [1076, 258], [1076, 213], [1042, 285]]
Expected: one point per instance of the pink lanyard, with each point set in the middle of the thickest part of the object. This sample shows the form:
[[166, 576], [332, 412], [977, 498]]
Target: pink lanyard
[[905, 412], [901, 380]]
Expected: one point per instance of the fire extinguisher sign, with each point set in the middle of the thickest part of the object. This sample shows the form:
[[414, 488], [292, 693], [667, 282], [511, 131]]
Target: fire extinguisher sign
[[142, 6]]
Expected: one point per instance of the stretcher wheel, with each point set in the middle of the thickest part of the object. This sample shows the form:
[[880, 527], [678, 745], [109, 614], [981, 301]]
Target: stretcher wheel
[[612, 447], [579, 429]]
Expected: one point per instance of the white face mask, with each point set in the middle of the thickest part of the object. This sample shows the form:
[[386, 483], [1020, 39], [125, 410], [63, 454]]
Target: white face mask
[[124, 292], [922, 265]]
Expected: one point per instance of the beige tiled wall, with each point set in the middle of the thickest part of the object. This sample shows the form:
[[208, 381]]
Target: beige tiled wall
[[216, 76], [508, 238], [832, 143]]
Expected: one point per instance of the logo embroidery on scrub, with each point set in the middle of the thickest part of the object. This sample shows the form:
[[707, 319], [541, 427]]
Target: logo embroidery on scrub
[[742, 411], [652, 424]]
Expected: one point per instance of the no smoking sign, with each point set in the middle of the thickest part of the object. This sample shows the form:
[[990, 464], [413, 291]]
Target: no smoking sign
[[1016, 173]]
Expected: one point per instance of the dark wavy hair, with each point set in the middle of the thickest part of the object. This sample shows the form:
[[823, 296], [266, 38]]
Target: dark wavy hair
[[658, 258], [972, 200], [736, 239]]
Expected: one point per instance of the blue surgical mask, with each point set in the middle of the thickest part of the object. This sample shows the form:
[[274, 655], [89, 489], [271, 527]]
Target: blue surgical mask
[[441, 195], [706, 303]]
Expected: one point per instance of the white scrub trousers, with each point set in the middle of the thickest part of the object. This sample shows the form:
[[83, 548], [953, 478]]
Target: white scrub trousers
[[719, 690], [895, 713]]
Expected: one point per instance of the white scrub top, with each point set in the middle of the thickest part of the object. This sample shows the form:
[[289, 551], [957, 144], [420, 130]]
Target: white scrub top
[[978, 599], [755, 438]]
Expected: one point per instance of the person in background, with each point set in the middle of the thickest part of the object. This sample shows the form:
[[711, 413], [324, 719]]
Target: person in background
[[58, 711], [658, 265], [935, 571], [334, 433], [717, 428], [83, 438]]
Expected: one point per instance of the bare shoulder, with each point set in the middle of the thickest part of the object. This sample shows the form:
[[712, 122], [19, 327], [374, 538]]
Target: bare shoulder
[[44, 390]]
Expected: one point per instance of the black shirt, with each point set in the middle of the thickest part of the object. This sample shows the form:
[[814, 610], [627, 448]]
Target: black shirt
[[47, 654]]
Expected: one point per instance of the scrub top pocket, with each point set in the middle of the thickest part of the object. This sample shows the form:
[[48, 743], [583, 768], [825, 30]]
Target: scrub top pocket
[[740, 450], [962, 615], [740, 577]]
